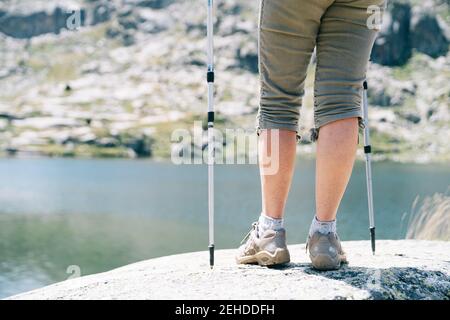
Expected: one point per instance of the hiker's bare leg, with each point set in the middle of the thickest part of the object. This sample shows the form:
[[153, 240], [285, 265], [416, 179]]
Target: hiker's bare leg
[[336, 150], [275, 187]]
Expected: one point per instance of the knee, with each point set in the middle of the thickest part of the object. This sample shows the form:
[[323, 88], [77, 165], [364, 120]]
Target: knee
[[337, 102]]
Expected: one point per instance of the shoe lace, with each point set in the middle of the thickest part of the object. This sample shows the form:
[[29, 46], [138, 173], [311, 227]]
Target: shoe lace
[[254, 227]]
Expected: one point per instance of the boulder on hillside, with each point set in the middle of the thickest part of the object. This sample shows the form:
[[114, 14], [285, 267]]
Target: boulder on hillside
[[393, 45], [427, 35], [27, 25], [27, 21], [154, 4]]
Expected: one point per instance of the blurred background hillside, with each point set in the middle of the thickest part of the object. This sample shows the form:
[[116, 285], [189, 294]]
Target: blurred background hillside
[[133, 71], [82, 80]]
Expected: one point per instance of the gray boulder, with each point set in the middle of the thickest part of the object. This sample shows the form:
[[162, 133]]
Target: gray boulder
[[405, 29], [141, 145], [101, 12], [128, 19], [427, 36], [412, 117], [231, 7], [26, 25], [247, 57], [403, 269], [27, 21], [154, 4], [393, 45]]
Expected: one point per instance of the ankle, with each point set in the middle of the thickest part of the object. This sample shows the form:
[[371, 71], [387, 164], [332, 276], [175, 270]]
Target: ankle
[[266, 222], [323, 227]]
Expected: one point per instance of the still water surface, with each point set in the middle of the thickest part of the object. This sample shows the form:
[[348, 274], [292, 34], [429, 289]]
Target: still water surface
[[102, 214]]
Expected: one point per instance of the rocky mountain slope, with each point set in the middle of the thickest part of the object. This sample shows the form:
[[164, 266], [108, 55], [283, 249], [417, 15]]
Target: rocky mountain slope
[[115, 78]]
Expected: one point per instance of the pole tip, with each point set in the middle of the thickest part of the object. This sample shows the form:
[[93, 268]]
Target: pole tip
[[372, 239], [211, 255]]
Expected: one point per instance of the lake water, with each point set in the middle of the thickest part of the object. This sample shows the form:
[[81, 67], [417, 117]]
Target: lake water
[[102, 214]]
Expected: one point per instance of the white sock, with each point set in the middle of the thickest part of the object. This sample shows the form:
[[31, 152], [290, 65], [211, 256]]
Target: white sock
[[323, 227], [269, 223]]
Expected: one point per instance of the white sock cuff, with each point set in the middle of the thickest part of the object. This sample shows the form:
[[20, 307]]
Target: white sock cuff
[[324, 227], [267, 222]]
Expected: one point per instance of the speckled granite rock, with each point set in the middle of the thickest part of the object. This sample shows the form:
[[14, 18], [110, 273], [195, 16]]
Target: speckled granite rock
[[401, 269]]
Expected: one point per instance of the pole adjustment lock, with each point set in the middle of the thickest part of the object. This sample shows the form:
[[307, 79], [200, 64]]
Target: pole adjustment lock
[[210, 116]]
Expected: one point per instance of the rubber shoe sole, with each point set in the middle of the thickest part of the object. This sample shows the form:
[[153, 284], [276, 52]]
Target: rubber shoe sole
[[324, 262], [265, 258]]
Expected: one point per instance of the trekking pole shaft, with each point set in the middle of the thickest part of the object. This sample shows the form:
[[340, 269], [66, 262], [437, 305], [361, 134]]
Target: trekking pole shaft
[[211, 155], [368, 156], [210, 32]]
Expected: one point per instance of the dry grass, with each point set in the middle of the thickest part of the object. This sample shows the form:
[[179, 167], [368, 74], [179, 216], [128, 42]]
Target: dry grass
[[430, 218]]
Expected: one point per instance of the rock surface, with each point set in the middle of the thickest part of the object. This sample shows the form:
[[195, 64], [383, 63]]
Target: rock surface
[[401, 269]]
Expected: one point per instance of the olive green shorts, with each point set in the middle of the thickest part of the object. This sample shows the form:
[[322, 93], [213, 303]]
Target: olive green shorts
[[343, 33]]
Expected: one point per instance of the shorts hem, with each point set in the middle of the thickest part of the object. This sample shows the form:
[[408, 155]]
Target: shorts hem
[[264, 125], [346, 115]]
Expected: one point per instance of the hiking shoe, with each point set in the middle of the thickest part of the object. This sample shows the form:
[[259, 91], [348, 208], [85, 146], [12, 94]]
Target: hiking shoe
[[325, 251], [268, 249]]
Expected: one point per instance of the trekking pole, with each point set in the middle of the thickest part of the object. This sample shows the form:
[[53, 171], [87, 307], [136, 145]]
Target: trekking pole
[[211, 155], [368, 156]]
